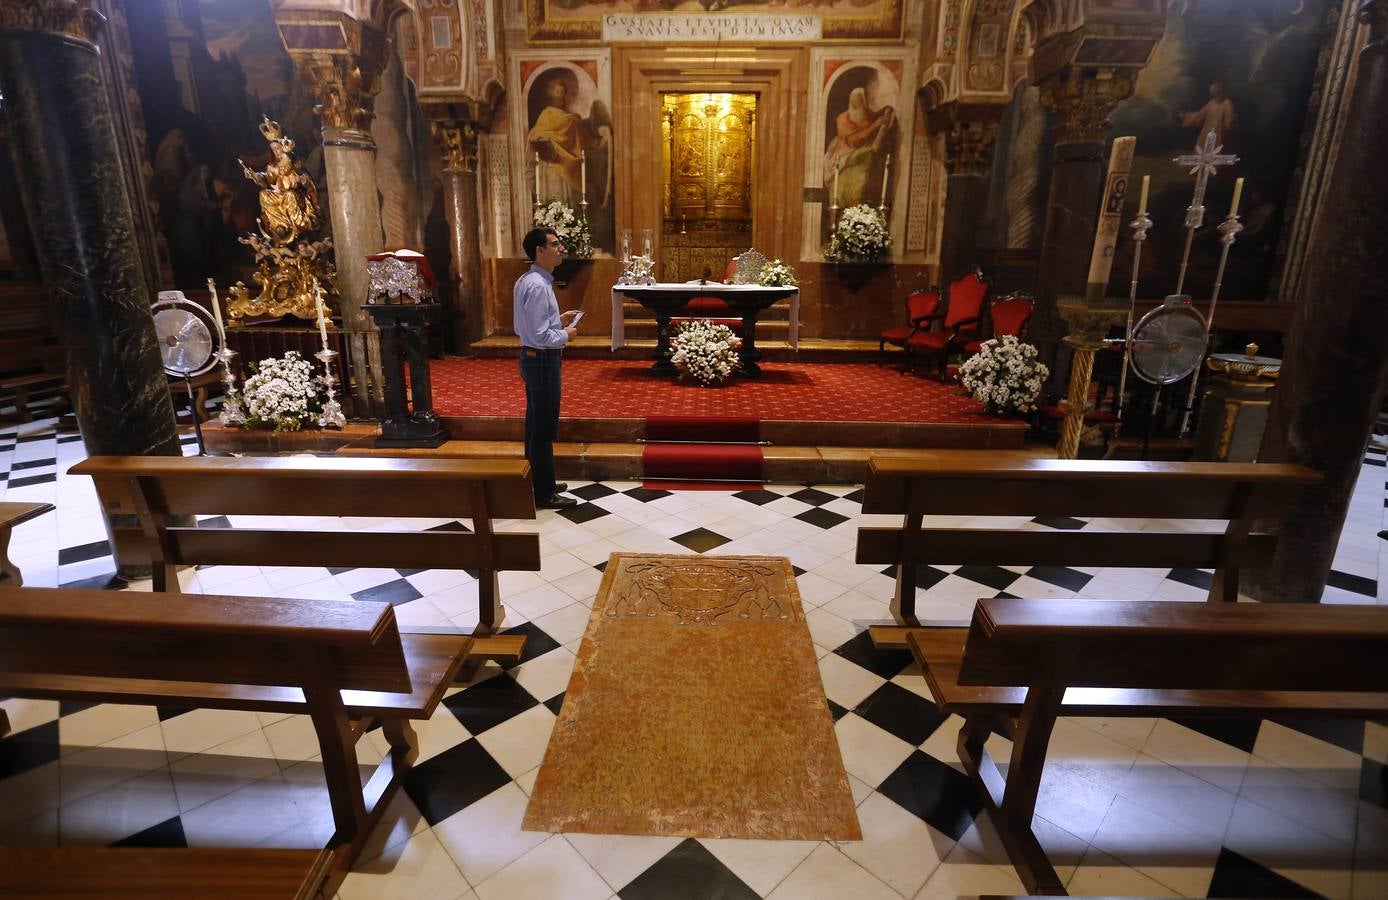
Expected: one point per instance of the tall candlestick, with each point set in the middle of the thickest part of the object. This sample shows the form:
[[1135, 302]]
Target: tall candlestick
[[1238, 193], [583, 172], [834, 200], [216, 306], [1120, 166], [886, 173], [1142, 203], [537, 178], [322, 318]]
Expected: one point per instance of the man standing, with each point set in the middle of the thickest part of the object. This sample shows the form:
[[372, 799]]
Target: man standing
[[543, 332]]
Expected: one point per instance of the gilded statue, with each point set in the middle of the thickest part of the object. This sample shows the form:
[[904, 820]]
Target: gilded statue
[[290, 263]]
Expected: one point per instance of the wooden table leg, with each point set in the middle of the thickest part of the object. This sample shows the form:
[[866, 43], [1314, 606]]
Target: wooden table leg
[[9, 572]]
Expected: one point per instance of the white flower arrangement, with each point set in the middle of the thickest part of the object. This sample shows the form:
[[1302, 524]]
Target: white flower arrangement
[[705, 351], [1004, 375], [571, 227], [776, 274], [283, 394], [861, 236]]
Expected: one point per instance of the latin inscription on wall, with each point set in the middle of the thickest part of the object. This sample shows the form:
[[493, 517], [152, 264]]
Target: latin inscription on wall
[[665, 27]]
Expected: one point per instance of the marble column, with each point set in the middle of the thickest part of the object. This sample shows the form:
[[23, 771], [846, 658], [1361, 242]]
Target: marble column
[[74, 195], [1333, 376], [969, 131], [1079, 100], [457, 141]]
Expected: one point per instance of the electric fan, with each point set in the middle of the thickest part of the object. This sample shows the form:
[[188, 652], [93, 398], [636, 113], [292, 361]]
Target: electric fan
[[188, 343]]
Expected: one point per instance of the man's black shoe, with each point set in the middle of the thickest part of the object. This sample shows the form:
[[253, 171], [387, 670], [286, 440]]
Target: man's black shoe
[[561, 487], [558, 501]]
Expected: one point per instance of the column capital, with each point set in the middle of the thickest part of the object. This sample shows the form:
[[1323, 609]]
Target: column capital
[[1089, 325], [1083, 74], [70, 18], [969, 130], [1374, 13], [341, 58], [455, 123]]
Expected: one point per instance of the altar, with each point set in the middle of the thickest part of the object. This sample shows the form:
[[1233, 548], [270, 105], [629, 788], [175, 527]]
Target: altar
[[665, 300]]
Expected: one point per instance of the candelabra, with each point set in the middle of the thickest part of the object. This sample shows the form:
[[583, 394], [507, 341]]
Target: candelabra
[[233, 410], [1140, 226], [331, 416], [1228, 233]]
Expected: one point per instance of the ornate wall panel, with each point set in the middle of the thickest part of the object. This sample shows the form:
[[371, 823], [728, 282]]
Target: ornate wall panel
[[842, 20]]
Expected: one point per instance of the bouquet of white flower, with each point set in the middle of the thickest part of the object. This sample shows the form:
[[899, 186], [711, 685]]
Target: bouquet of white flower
[[705, 351], [571, 227], [862, 236], [283, 394], [776, 274], [1004, 375]]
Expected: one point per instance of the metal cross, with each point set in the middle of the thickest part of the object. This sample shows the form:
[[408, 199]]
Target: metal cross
[[1204, 164]]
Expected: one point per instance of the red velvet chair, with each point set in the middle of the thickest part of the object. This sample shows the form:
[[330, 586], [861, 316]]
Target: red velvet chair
[[962, 320], [922, 307], [1009, 314]]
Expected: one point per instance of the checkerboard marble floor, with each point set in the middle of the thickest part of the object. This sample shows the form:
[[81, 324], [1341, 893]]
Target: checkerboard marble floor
[[1138, 807]]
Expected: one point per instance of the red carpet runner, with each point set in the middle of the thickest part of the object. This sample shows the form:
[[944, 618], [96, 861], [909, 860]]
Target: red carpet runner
[[703, 453]]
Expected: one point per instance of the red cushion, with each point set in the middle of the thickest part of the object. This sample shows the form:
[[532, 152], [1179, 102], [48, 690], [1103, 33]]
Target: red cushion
[[707, 306], [929, 340], [897, 335]]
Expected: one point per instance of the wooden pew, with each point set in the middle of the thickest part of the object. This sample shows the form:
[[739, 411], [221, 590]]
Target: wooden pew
[[341, 664], [1021, 663], [967, 484], [160, 873], [163, 493], [12, 514]]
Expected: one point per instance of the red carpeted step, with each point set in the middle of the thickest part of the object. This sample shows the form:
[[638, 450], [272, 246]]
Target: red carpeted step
[[726, 429], [737, 466]]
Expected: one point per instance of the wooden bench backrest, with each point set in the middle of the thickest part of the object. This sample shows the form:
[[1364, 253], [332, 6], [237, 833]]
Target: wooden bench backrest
[[201, 639], [1166, 645], [962, 484], [157, 488]]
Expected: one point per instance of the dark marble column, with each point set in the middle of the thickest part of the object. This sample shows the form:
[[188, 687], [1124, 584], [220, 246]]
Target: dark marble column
[[969, 130], [74, 194], [457, 141], [1336, 366]]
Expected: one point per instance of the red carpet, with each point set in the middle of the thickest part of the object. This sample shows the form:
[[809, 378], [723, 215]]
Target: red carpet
[[787, 391], [724, 466], [693, 428]]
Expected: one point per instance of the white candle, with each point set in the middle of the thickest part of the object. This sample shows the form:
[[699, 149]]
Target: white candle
[[886, 172], [834, 200], [537, 177], [1238, 193], [322, 317], [1142, 203], [217, 307], [583, 172]]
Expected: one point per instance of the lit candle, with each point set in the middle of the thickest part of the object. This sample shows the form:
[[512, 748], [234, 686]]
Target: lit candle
[[834, 200], [1238, 193], [322, 317], [537, 178], [886, 172], [1142, 203], [1120, 166], [217, 307], [583, 172]]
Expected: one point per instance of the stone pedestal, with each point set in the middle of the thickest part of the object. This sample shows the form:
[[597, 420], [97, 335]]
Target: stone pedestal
[[1088, 325], [1332, 381], [457, 141], [410, 423], [1234, 410], [74, 196]]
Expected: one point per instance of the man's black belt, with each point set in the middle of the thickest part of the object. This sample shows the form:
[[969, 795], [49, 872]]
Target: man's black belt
[[531, 351]]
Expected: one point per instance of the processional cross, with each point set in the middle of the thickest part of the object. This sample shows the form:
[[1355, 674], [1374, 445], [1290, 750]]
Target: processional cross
[[1205, 163]]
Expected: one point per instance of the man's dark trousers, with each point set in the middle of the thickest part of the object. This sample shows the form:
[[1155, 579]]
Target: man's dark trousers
[[541, 374]]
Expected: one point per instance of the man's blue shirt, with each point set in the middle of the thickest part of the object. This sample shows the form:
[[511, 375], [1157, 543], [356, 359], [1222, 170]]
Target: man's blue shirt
[[536, 313]]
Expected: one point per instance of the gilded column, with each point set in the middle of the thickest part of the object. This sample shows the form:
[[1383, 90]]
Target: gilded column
[[1088, 326], [1333, 375], [969, 131], [456, 136], [69, 174]]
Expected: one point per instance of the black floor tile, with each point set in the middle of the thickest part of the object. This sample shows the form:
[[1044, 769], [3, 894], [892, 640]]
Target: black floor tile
[[168, 712], [68, 707], [450, 526], [811, 496], [903, 713], [1239, 876], [926, 576], [168, 833], [489, 703], [797, 570], [601, 567], [835, 711], [338, 570], [592, 491], [646, 495], [994, 577], [823, 518], [32, 480], [1374, 462], [882, 663], [1240, 733], [583, 512], [82, 552], [688, 872], [32, 464], [1355, 583], [1060, 576], [1373, 783], [1192, 577], [760, 498], [854, 496], [700, 540], [392, 592], [453, 780], [107, 581], [406, 573], [555, 704], [28, 749], [935, 793], [1346, 733], [215, 522], [1063, 522], [537, 643]]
